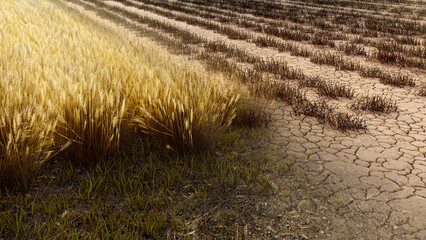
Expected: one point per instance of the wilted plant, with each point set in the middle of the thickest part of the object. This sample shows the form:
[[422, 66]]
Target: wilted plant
[[319, 109], [422, 91], [217, 46], [309, 81], [388, 57], [334, 59], [345, 121], [327, 114], [397, 79], [334, 89], [266, 41], [326, 88], [409, 40], [400, 59], [352, 49], [278, 67], [326, 58], [389, 46], [370, 72], [320, 39], [374, 103]]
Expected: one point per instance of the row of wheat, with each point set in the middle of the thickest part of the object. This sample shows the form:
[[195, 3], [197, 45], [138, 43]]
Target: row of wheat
[[69, 84]]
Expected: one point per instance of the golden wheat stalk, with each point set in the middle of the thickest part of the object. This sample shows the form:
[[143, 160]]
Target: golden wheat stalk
[[66, 81]]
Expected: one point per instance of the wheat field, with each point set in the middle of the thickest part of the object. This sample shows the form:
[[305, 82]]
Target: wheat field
[[74, 86]]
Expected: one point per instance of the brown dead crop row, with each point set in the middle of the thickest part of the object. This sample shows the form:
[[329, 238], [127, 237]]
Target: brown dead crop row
[[357, 29], [322, 38], [292, 95], [281, 68], [375, 104], [302, 14], [403, 6], [246, 20], [337, 60]]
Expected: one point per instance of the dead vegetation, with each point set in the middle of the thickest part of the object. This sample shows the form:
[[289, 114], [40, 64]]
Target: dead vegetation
[[374, 103], [397, 79], [422, 91]]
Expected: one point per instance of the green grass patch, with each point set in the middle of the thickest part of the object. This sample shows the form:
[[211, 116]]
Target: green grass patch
[[147, 193]]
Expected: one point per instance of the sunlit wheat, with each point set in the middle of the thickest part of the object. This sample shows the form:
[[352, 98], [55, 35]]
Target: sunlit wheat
[[67, 82]]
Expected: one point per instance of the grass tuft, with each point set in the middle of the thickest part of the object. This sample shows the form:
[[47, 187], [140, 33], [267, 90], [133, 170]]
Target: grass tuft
[[397, 80], [375, 103]]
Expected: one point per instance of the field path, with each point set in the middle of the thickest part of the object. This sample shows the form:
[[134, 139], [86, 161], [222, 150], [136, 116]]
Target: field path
[[369, 184]]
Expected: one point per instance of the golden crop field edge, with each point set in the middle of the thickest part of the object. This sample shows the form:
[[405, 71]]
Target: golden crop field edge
[[69, 84]]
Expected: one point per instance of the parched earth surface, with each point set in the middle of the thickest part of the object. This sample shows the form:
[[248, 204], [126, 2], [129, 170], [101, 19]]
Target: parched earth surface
[[366, 184], [374, 181]]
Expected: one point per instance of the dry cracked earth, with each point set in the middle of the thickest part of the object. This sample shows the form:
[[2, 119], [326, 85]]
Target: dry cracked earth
[[375, 180], [366, 184]]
